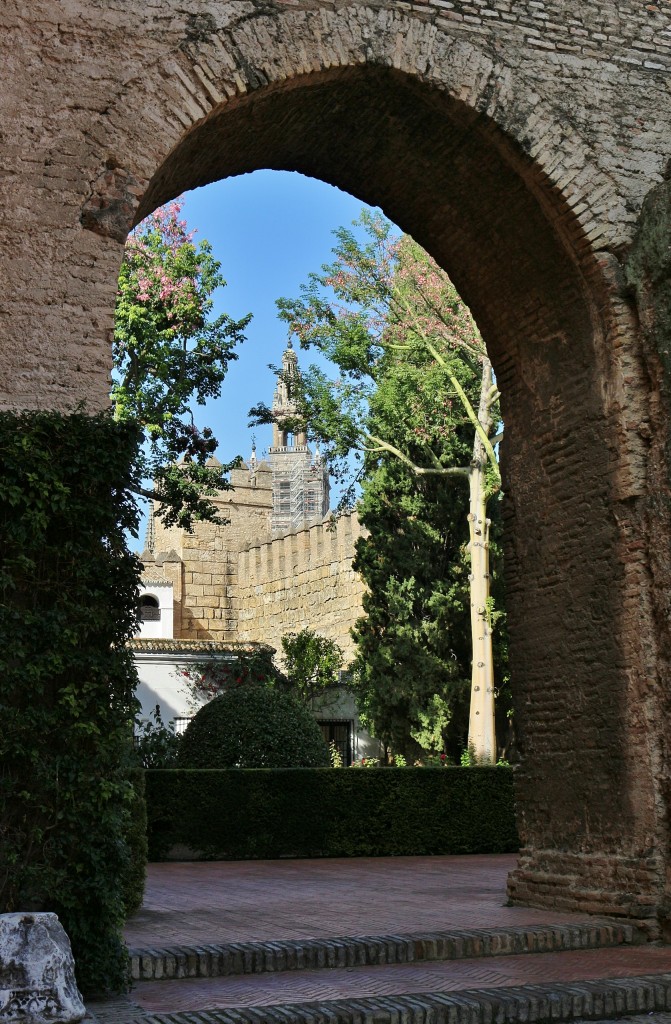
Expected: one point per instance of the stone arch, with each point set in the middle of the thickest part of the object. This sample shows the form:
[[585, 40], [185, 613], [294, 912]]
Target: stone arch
[[214, 67], [466, 150]]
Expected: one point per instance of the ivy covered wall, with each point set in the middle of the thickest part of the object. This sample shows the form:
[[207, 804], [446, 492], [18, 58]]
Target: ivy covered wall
[[68, 590]]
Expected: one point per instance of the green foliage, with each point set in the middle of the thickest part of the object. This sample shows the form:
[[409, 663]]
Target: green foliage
[[168, 354], [469, 759], [253, 726], [366, 762], [157, 743], [392, 322], [412, 367], [312, 663], [135, 836], [412, 667], [335, 755], [324, 813], [68, 586]]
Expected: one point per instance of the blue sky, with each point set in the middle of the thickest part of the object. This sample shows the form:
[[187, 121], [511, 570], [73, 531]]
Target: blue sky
[[268, 229]]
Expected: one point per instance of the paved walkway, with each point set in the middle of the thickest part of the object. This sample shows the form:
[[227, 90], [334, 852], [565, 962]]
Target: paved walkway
[[196, 904], [238, 901]]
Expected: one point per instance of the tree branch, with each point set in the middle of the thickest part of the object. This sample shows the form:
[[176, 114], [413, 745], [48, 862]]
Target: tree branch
[[144, 492], [385, 446], [440, 359]]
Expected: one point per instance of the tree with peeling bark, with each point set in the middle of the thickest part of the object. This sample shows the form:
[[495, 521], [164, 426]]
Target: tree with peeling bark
[[169, 355], [393, 323]]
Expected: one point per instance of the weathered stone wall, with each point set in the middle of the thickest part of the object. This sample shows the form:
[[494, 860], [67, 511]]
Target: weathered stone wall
[[648, 276], [235, 583], [106, 105], [304, 579], [207, 606], [232, 582], [517, 141]]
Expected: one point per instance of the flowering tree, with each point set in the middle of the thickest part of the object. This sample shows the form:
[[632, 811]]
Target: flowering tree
[[416, 390], [205, 680], [168, 354]]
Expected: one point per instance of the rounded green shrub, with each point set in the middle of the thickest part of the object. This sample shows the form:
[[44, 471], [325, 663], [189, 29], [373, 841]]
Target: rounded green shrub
[[253, 726]]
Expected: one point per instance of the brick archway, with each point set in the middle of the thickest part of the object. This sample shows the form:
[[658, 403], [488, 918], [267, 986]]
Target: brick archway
[[469, 142]]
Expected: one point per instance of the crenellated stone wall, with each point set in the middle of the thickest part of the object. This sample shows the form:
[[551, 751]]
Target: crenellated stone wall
[[205, 561], [236, 583], [303, 579]]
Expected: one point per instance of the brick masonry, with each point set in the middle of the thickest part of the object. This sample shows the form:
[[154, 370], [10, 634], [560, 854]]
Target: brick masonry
[[567, 1001], [215, 961], [517, 141]]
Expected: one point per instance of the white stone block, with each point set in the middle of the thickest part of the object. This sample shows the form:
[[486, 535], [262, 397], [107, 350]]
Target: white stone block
[[37, 972]]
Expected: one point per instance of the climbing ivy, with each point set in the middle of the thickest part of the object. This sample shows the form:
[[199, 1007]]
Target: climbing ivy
[[68, 590]]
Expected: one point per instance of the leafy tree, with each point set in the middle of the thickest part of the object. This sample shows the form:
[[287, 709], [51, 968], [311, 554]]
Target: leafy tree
[[412, 664], [168, 355], [416, 403], [312, 663], [68, 588]]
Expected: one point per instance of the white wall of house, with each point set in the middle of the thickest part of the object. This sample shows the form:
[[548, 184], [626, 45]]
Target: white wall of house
[[162, 683]]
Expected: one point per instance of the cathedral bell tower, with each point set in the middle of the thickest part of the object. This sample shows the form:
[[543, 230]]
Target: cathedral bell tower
[[300, 481]]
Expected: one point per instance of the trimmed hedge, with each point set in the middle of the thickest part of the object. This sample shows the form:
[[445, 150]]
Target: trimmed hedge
[[253, 726], [241, 814]]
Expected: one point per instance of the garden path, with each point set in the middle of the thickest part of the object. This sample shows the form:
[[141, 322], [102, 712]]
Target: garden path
[[187, 903]]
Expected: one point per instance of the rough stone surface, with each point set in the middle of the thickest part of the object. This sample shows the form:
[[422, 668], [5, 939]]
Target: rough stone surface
[[237, 584], [302, 579], [37, 972], [517, 141]]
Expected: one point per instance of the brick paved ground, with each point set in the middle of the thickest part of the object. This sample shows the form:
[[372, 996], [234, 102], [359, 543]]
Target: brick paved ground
[[361, 982], [235, 901], [191, 904]]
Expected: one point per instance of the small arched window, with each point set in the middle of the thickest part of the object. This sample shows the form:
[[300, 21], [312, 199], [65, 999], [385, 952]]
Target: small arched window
[[149, 609]]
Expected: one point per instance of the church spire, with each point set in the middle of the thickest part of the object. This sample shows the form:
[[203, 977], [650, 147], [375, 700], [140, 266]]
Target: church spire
[[150, 532], [300, 483], [284, 405], [253, 465]]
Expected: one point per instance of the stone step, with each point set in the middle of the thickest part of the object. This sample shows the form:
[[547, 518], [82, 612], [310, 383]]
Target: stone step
[[235, 958], [636, 999]]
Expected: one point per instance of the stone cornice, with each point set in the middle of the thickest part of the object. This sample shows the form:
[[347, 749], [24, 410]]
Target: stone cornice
[[162, 645]]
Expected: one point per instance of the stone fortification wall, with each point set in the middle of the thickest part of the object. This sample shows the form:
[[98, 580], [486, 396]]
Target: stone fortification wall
[[207, 606], [302, 579], [234, 583]]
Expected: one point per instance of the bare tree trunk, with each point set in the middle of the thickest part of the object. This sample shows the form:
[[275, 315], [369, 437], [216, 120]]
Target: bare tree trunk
[[481, 728]]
